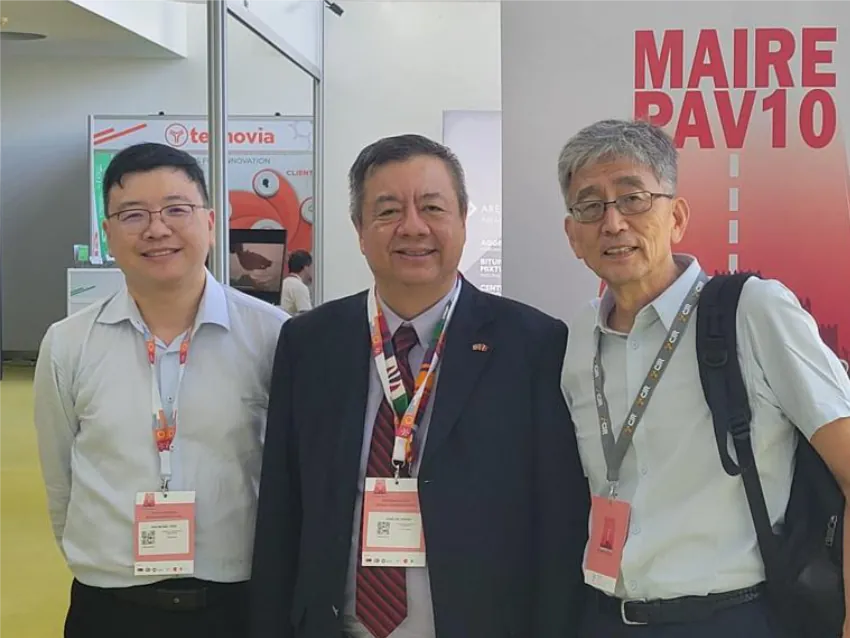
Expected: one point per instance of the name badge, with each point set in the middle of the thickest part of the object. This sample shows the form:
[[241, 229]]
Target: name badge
[[164, 529], [609, 524], [392, 524]]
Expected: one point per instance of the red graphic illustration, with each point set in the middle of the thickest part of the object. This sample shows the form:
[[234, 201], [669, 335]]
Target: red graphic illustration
[[763, 160], [783, 212], [271, 204]]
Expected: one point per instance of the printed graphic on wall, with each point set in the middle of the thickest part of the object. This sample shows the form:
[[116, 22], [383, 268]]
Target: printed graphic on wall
[[476, 139], [757, 98], [269, 171], [763, 159]]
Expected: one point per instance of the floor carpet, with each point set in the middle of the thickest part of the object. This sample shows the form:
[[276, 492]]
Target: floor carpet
[[33, 578]]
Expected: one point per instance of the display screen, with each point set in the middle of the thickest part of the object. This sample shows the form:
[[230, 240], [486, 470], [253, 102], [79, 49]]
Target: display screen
[[256, 266]]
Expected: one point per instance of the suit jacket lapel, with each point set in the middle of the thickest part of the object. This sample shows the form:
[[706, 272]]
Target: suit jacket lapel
[[464, 359], [351, 362]]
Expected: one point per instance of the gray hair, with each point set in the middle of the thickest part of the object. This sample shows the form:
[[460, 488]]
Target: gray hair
[[641, 142], [401, 148]]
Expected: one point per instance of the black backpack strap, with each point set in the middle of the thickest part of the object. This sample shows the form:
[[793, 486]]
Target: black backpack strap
[[726, 395]]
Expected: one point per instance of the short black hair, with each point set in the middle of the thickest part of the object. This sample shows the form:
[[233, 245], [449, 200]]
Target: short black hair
[[298, 261], [401, 148], [149, 156]]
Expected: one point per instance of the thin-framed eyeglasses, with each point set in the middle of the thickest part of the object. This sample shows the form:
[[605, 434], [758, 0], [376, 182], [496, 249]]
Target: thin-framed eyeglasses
[[138, 219], [588, 212]]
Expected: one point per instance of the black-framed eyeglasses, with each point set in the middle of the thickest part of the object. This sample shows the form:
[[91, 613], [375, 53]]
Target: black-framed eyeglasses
[[138, 219], [588, 212]]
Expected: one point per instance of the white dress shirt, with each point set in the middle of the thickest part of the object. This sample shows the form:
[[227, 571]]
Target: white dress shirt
[[419, 622], [95, 431], [295, 295], [691, 532]]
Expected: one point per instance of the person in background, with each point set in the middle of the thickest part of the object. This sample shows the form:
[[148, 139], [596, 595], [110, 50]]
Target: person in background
[[295, 293], [684, 561], [452, 506], [153, 509]]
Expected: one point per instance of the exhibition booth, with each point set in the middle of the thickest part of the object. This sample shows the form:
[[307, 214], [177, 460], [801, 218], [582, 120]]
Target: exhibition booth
[[263, 172], [237, 84]]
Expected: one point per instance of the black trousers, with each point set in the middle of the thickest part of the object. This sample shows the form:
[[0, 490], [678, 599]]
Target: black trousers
[[101, 613], [749, 620]]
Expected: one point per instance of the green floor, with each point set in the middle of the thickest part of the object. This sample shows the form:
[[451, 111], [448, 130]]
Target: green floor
[[33, 578]]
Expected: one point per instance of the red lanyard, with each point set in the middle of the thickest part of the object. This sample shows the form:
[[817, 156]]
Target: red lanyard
[[408, 410], [165, 429]]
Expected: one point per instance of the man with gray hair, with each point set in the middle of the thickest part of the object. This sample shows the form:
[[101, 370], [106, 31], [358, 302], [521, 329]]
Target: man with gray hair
[[672, 546]]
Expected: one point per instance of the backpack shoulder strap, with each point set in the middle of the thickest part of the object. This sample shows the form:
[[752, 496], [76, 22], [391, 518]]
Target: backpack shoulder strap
[[726, 395], [719, 369]]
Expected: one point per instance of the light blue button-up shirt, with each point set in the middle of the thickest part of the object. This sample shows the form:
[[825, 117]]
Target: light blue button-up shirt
[[691, 532], [95, 432]]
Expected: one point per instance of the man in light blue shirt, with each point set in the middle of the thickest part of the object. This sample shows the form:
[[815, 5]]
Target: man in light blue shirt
[[108, 383], [690, 565]]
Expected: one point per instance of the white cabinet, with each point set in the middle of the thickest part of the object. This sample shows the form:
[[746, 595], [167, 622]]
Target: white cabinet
[[89, 285]]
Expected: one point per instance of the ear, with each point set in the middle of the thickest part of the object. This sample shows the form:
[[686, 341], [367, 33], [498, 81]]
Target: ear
[[211, 226], [358, 228], [681, 215], [105, 227], [570, 227]]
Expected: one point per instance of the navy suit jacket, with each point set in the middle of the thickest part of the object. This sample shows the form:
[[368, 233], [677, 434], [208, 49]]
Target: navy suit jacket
[[503, 496]]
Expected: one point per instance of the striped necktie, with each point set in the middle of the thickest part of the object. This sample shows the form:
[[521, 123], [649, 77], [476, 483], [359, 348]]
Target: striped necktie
[[381, 600]]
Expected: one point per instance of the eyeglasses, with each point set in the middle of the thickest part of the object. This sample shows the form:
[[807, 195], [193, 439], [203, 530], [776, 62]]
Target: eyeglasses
[[631, 204], [138, 219]]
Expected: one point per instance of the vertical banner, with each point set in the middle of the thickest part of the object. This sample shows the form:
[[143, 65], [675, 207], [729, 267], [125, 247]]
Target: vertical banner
[[756, 98], [270, 168], [476, 139]]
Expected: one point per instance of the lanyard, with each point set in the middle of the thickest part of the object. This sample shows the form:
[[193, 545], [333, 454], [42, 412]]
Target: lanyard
[[407, 410], [163, 433], [615, 451]]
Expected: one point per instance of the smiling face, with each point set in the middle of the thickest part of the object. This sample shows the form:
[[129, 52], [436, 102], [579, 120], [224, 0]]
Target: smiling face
[[412, 231], [173, 247], [623, 249]]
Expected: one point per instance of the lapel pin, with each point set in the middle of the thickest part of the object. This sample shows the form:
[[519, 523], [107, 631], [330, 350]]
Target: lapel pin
[[480, 347]]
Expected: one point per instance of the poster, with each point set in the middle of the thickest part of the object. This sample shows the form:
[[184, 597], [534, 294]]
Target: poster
[[476, 138], [269, 170], [756, 97]]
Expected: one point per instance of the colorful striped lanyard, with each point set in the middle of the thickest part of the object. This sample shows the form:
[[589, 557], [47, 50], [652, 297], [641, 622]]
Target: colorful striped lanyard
[[407, 410], [163, 432]]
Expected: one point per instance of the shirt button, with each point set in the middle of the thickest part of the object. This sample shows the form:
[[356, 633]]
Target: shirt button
[[633, 585], [635, 529], [635, 345], [644, 470]]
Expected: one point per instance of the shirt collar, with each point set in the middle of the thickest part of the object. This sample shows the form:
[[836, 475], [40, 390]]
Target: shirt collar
[[666, 305], [212, 309], [424, 324]]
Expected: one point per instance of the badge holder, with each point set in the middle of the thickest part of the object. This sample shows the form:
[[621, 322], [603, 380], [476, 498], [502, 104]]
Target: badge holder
[[392, 524]]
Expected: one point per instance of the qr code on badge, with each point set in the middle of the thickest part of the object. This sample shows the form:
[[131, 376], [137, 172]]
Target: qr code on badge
[[383, 529], [148, 538]]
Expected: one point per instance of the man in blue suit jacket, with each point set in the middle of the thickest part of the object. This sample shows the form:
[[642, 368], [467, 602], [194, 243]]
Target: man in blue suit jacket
[[492, 460]]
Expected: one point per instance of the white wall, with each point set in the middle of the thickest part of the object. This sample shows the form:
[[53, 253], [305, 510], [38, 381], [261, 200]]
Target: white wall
[[161, 21], [390, 68], [44, 199]]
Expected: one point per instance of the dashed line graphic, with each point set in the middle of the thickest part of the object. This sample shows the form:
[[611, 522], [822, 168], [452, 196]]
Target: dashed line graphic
[[733, 199], [734, 173], [733, 231]]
